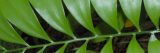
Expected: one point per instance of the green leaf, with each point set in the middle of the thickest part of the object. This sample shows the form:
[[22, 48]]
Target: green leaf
[[134, 46], [83, 48], [8, 34], [42, 50], [153, 45], [132, 9], [103, 28], [107, 10], [120, 19], [62, 49], [81, 11], [52, 11], [108, 47], [20, 14], [153, 10]]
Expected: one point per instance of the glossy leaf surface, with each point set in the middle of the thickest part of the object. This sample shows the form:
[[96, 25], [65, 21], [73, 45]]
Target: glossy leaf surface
[[132, 9], [20, 14], [81, 11], [8, 34], [53, 13], [153, 10], [107, 10]]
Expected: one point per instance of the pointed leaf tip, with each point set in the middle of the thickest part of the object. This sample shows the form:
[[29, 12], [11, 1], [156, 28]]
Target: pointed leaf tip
[[62, 49], [132, 9], [83, 48], [153, 10], [134, 46], [42, 50], [107, 10], [8, 34], [81, 11], [108, 47], [20, 14], [53, 13], [154, 44]]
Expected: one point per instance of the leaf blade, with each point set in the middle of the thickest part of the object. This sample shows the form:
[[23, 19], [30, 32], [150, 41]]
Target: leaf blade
[[132, 9], [153, 45], [108, 47], [8, 34], [42, 50], [153, 10], [53, 13], [134, 46], [107, 10], [83, 48], [62, 49], [80, 9], [24, 19]]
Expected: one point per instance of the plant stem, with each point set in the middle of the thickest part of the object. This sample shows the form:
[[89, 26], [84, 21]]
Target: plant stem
[[81, 39]]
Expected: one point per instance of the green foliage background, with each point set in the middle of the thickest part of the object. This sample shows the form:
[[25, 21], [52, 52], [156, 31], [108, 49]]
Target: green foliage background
[[19, 15]]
